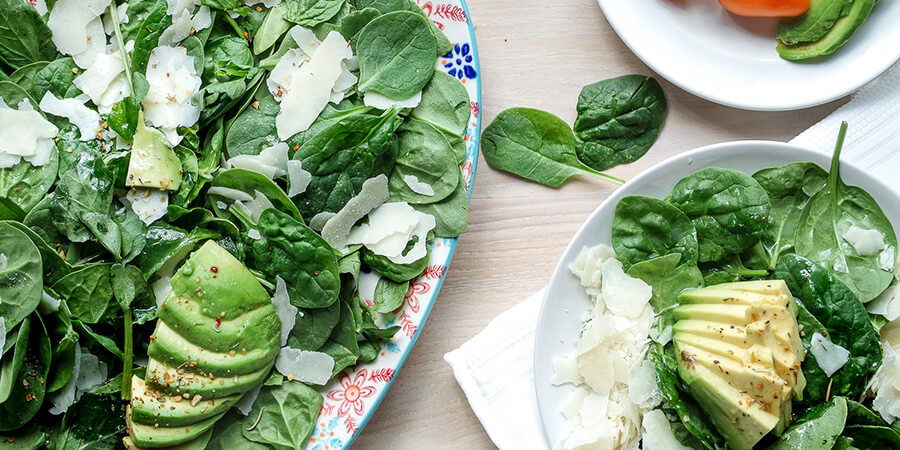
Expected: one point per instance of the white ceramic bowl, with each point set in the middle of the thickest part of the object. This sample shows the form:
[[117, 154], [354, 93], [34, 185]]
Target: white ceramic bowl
[[566, 302], [731, 60]]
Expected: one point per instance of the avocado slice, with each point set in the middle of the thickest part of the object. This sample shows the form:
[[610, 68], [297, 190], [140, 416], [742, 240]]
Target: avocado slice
[[153, 163], [170, 347], [841, 32], [814, 24], [152, 407], [740, 355], [175, 381], [196, 444], [149, 436]]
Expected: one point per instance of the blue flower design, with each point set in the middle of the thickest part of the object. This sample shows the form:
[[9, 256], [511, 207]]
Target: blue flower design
[[459, 62], [329, 441]]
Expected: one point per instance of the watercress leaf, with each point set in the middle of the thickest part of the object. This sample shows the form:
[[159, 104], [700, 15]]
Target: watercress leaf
[[445, 105], [389, 295], [618, 120], [840, 315], [310, 13], [21, 275], [303, 259], [250, 182], [31, 381], [532, 144], [355, 21], [272, 28], [829, 214], [790, 188], [87, 291], [147, 37], [343, 156], [646, 228], [425, 153], [729, 210], [24, 37], [287, 415], [314, 327], [25, 184], [451, 215], [396, 54], [817, 428]]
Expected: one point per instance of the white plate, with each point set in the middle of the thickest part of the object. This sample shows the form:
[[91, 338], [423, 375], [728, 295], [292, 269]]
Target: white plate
[[731, 60], [566, 302]]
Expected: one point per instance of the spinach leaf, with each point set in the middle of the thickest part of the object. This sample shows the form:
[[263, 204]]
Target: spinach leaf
[[689, 413], [165, 242], [389, 295], [84, 188], [31, 436], [858, 414], [826, 305], [12, 364], [729, 209], [272, 28], [646, 228], [729, 269], [56, 77], [355, 21], [535, 145], [393, 271], [123, 118], [667, 277], [30, 383], [343, 156], [310, 13], [24, 76], [303, 259], [227, 435], [94, 421], [425, 155], [385, 6], [342, 345], [396, 54], [871, 436], [53, 265], [618, 120], [24, 37], [314, 327], [451, 215], [829, 214], [147, 37], [286, 413], [250, 182], [789, 187], [818, 428], [21, 275], [445, 104], [87, 291]]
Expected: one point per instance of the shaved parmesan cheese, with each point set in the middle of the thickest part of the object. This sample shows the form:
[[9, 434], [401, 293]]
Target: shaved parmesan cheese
[[185, 23], [886, 382], [271, 162], [266, 3], [149, 204], [657, 433], [587, 267], [389, 229], [887, 304], [304, 79], [285, 310], [565, 370], [121, 13], [161, 289], [417, 186], [86, 119], [40, 6], [173, 81], [175, 7], [96, 44], [373, 194], [830, 356], [231, 194], [368, 281], [68, 21], [624, 295], [379, 101], [49, 304], [298, 179], [345, 80], [319, 220], [25, 134], [88, 374], [253, 233], [245, 404], [643, 386], [255, 207], [305, 366], [865, 242], [104, 82]]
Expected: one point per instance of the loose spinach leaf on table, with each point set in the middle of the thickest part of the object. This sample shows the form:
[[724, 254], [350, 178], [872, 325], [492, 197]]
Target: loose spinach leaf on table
[[396, 54], [645, 228], [24, 37], [729, 209], [817, 428], [535, 145], [30, 382], [424, 156], [21, 275], [618, 120], [285, 415], [301, 257], [829, 214], [789, 187], [826, 305]]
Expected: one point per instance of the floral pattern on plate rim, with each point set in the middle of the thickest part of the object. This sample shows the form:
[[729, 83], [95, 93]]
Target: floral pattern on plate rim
[[351, 399]]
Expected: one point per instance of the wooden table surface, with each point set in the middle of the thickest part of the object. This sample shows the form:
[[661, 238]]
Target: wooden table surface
[[534, 53]]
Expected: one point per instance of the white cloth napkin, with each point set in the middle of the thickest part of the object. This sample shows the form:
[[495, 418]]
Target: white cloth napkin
[[494, 368]]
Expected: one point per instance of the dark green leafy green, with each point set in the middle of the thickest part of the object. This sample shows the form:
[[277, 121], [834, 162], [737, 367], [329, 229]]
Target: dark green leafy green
[[314, 327], [30, 383], [396, 54], [87, 291], [646, 228], [24, 37], [93, 422], [52, 264], [57, 78], [393, 271], [618, 120], [249, 182], [310, 13], [424, 156], [147, 37], [818, 428], [451, 215], [283, 416], [445, 105], [271, 29], [389, 295], [21, 275], [729, 209]]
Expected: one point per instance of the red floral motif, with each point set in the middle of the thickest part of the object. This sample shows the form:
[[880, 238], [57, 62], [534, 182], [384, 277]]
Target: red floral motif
[[412, 295], [475, 109], [409, 326], [383, 375], [351, 393], [326, 410], [452, 12], [351, 425], [467, 172], [435, 271]]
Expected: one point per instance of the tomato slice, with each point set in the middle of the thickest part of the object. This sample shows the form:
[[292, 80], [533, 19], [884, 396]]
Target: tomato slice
[[766, 8]]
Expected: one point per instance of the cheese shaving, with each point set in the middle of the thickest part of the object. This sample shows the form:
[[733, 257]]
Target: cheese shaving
[[829, 356], [373, 194], [285, 310], [379, 101], [25, 134], [417, 186], [149, 204], [305, 366], [86, 119], [298, 179], [173, 81]]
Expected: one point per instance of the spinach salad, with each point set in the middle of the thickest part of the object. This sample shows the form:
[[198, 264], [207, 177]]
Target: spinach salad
[[190, 193], [797, 229]]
